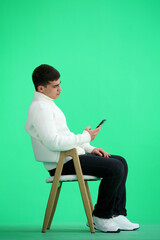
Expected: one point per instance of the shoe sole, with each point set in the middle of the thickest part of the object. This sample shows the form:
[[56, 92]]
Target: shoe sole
[[104, 231], [129, 229]]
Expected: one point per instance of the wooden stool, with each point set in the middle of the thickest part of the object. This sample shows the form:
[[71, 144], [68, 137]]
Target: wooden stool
[[57, 184]]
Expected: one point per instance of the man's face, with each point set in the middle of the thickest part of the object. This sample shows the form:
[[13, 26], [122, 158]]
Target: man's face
[[52, 90]]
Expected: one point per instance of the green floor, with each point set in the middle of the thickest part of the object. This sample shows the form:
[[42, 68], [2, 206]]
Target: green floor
[[76, 231]]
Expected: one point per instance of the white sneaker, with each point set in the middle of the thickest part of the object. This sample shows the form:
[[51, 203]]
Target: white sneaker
[[124, 224], [105, 225]]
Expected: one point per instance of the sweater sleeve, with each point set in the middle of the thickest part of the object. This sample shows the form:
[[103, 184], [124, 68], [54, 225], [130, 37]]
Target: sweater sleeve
[[87, 147], [45, 127]]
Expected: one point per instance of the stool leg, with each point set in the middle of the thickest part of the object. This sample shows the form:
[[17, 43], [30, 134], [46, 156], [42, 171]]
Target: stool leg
[[84, 193], [89, 195], [50, 205], [53, 192], [54, 206], [86, 204]]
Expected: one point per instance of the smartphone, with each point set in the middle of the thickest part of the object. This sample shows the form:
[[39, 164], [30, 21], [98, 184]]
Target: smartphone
[[101, 123]]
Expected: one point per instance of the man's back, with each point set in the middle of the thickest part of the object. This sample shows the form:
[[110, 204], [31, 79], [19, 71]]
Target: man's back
[[46, 124]]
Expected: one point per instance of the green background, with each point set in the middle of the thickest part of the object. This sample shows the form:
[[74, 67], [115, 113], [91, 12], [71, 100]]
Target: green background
[[108, 55]]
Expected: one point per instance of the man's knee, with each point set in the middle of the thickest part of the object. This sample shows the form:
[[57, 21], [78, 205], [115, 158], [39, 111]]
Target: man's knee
[[118, 170], [124, 162]]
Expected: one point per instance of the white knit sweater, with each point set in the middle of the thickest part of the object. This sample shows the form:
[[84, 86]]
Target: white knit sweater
[[46, 124]]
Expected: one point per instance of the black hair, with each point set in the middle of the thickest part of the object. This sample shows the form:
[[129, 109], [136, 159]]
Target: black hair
[[44, 74]]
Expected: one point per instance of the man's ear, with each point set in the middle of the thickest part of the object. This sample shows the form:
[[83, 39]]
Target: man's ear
[[40, 88]]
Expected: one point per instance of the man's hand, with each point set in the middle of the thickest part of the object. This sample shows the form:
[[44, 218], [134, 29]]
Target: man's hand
[[101, 152], [93, 133]]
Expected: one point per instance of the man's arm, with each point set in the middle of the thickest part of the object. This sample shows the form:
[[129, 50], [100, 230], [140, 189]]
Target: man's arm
[[87, 147], [45, 127]]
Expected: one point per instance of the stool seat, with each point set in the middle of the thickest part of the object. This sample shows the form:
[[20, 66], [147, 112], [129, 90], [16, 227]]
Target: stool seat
[[71, 178]]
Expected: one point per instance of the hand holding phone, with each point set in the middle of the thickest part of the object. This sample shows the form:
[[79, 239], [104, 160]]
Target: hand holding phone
[[93, 133]]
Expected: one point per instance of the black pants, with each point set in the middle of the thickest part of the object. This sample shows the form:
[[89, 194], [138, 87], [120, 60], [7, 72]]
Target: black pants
[[112, 192]]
